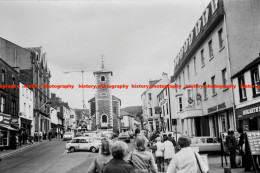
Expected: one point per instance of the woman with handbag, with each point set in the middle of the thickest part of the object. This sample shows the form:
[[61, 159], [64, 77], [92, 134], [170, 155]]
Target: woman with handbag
[[186, 160], [142, 160]]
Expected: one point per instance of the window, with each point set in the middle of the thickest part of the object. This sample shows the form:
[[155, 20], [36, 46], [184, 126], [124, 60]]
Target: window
[[224, 122], [188, 72], [224, 76], [242, 89], [211, 55], [255, 82], [29, 111], [150, 96], [183, 79], [202, 57], [22, 90], [103, 79], [167, 111], [24, 108], [163, 110], [220, 38], [180, 103], [3, 75], [3, 104], [104, 119], [213, 83], [214, 4], [205, 90], [180, 79], [151, 112], [103, 94], [166, 92], [13, 80], [13, 107], [114, 110], [195, 71]]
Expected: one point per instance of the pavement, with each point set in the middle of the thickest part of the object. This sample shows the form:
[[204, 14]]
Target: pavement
[[51, 157]]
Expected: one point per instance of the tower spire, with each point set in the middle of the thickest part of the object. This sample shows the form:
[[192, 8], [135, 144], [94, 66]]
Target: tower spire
[[102, 65]]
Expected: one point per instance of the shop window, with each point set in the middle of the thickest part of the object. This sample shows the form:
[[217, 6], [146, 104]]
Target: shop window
[[3, 137], [224, 122], [3, 104], [242, 90], [188, 72], [255, 82], [114, 109]]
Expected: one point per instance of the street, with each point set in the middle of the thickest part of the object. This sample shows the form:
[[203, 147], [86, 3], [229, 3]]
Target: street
[[51, 157], [47, 157]]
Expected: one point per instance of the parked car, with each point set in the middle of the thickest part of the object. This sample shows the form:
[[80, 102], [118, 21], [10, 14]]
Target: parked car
[[206, 144], [79, 134], [83, 143], [124, 137], [68, 136]]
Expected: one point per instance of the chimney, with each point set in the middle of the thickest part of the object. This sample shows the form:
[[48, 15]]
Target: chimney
[[165, 77]]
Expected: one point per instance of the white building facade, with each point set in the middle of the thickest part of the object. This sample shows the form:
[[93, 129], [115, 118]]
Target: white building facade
[[26, 119]]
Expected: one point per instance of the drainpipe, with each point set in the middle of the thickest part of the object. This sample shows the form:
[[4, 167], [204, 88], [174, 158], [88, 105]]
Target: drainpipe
[[229, 63]]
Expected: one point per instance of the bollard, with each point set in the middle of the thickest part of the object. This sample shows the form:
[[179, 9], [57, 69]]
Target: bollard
[[227, 170]]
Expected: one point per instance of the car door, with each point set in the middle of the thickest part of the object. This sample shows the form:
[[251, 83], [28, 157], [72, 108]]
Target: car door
[[75, 143], [83, 144]]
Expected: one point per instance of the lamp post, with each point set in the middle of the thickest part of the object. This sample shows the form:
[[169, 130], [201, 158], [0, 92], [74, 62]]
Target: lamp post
[[82, 71]]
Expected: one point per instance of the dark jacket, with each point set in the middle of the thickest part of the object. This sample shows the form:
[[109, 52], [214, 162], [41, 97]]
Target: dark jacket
[[231, 142], [118, 166]]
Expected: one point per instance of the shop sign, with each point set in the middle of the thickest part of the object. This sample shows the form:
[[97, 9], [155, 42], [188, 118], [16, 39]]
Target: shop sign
[[217, 107], [248, 111], [5, 119]]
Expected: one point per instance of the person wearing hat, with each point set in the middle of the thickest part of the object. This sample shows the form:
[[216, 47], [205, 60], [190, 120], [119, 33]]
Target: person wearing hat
[[159, 154], [232, 146]]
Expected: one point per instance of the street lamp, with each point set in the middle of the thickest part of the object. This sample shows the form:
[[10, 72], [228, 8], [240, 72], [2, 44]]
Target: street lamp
[[82, 72]]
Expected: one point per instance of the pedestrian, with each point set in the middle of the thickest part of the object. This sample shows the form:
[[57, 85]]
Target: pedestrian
[[186, 160], [232, 146], [35, 135], [241, 143], [159, 154], [138, 133], [20, 139], [140, 158], [40, 136], [117, 164], [170, 138], [103, 158], [61, 134], [169, 151], [50, 135], [44, 134], [57, 134]]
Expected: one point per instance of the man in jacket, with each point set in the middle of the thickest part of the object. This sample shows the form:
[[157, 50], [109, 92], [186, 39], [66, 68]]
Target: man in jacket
[[232, 146]]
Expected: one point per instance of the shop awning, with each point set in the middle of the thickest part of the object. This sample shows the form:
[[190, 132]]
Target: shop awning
[[8, 127]]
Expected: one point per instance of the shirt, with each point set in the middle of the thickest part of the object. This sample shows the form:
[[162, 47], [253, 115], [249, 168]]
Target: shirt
[[185, 161], [160, 149], [168, 150], [142, 160]]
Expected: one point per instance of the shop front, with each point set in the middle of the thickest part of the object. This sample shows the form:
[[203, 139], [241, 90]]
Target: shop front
[[7, 133], [25, 125], [248, 117]]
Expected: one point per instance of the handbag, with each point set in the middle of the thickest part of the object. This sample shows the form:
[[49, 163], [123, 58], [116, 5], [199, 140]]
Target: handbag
[[199, 170]]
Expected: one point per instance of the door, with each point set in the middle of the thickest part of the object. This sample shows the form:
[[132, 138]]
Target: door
[[83, 145], [75, 143]]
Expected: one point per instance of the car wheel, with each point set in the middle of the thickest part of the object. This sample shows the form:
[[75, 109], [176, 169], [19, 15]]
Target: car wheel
[[93, 149], [72, 149]]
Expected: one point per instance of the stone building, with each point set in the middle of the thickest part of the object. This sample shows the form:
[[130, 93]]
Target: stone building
[[104, 107]]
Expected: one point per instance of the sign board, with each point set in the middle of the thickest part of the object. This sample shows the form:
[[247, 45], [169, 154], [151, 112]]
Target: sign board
[[5, 119], [254, 142], [158, 110]]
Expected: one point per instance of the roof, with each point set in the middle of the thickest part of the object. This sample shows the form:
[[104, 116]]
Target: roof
[[247, 67], [124, 113], [92, 100]]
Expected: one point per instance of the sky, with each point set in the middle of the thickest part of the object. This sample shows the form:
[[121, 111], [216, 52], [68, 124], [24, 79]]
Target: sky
[[138, 39]]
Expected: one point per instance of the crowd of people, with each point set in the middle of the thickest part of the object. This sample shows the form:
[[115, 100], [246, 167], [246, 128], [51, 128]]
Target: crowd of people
[[169, 156]]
